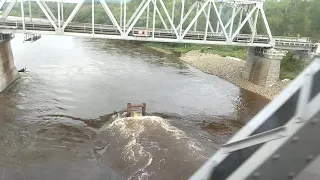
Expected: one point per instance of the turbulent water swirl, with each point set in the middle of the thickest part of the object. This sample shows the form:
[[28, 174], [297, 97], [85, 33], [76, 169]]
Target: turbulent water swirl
[[134, 132]]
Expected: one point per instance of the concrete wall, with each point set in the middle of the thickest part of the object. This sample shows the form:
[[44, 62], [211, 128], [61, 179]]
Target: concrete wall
[[263, 66], [8, 72]]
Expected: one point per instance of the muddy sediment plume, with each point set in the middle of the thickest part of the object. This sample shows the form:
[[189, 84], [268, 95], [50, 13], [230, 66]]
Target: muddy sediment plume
[[134, 147]]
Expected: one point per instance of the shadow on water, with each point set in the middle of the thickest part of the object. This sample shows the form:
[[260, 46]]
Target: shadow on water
[[248, 104], [136, 49]]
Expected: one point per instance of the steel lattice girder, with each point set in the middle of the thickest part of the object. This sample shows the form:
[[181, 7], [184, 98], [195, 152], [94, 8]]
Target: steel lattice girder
[[242, 12]]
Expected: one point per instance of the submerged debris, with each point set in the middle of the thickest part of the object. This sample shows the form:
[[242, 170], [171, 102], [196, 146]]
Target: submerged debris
[[23, 69]]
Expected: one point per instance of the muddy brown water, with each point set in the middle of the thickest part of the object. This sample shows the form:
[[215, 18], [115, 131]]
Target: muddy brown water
[[56, 121]]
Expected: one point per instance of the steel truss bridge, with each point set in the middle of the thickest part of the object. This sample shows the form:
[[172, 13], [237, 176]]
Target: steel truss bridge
[[225, 20]]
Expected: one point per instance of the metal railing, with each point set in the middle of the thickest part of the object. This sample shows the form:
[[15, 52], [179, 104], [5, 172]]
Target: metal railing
[[303, 42]]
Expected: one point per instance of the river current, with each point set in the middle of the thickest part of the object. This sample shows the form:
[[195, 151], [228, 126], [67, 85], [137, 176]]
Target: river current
[[62, 118]]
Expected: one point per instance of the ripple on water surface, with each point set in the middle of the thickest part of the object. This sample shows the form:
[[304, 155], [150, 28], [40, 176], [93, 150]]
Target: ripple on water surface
[[50, 130]]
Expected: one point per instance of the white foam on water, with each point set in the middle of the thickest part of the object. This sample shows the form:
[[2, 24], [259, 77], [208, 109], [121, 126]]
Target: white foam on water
[[144, 176], [131, 129], [62, 91], [21, 94], [65, 98], [21, 107], [66, 107], [195, 146]]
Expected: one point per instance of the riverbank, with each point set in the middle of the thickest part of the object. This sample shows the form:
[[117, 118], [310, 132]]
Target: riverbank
[[227, 62], [178, 49], [229, 69]]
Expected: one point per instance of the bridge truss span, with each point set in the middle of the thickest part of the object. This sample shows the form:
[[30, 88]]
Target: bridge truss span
[[221, 22]]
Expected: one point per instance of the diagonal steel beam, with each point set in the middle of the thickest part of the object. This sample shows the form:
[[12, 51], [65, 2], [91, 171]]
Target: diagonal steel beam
[[9, 9], [220, 11], [240, 18], [232, 20], [266, 24], [136, 12], [109, 13], [244, 22], [46, 13], [138, 16], [73, 13], [220, 20], [172, 10], [2, 3], [49, 10], [181, 17], [206, 15], [250, 20], [194, 19], [229, 22], [161, 18], [187, 15], [147, 21], [169, 19], [207, 23], [250, 23], [255, 26], [196, 23]]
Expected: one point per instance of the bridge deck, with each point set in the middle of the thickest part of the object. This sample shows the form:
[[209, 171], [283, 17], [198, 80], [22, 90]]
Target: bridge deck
[[42, 26]]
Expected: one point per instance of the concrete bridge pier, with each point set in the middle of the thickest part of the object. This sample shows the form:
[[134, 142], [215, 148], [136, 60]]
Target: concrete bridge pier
[[263, 65], [8, 72]]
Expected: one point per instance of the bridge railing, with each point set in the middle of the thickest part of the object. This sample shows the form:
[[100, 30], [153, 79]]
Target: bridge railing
[[74, 27], [300, 44], [300, 39]]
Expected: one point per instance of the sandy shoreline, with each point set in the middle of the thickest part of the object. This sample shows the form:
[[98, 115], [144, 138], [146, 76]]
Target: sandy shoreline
[[230, 70]]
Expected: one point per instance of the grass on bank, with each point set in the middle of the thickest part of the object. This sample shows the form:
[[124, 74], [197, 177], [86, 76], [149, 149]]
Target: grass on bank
[[289, 69], [238, 52]]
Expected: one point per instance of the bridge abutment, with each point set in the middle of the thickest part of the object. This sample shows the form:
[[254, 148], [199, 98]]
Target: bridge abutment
[[263, 65], [8, 71]]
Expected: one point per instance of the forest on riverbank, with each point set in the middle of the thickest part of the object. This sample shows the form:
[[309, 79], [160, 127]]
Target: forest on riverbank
[[296, 18]]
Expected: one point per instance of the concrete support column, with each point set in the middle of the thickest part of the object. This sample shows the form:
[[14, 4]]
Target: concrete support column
[[263, 65], [8, 72]]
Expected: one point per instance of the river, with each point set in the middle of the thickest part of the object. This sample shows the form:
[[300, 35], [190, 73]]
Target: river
[[56, 122]]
